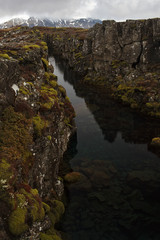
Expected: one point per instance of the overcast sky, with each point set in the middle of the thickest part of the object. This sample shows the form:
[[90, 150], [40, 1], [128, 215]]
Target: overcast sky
[[102, 9]]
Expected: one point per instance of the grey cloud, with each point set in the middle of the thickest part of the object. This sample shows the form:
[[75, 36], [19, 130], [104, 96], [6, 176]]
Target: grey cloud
[[53, 8], [127, 9], [103, 9]]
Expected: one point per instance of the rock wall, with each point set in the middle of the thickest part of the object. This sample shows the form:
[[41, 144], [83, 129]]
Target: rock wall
[[126, 48], [36, 122], [112, 47], [122, 56]]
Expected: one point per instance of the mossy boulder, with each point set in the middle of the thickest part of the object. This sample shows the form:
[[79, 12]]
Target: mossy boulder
[[155, 142], [17, 224], [72, 177]]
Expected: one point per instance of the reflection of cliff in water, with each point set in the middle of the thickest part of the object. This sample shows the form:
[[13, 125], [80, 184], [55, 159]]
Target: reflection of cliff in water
[[118, 194], [134, 128]]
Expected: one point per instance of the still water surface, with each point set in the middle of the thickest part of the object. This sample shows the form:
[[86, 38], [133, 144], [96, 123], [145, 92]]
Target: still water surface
[[118, 197]]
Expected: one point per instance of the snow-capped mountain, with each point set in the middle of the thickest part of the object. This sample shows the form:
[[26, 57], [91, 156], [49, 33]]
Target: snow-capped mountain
[[46, 22]]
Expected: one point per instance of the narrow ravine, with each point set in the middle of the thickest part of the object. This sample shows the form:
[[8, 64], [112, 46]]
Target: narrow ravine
[[118, 195]]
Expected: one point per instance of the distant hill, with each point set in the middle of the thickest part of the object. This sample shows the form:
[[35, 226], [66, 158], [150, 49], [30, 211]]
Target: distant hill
[[47, 22]]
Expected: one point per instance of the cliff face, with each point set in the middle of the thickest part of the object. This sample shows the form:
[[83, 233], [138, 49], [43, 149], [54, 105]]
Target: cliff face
[[113, 47], [123, 56], [124, 47], [36, 122]]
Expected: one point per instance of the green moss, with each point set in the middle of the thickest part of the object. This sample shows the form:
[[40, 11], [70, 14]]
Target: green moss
[[46, 207], [20, 59], [79, 55], [49, 77], [62, 90], [59, 207], [26, 203], [34, 191], [5, 170], [53, 217], [30, 83], [37, 212], [153, 105], [49, 91], [14, 53], [67, 122], [49, 137], [17, 224], [49, 95], [57, 210], [5, 55], [156, 142], [45, 47], [39, 124], [46, 75], [58, 37], [53, 83], [16, 126], [31, 46], [47, 105], [45, 63], [24, 91], [6, 174], [35, 207], [20, 201], [43, 43], [67, 98], [53, 76]]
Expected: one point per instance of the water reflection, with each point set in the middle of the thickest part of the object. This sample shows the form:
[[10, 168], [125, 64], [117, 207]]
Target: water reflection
[[119, 191]]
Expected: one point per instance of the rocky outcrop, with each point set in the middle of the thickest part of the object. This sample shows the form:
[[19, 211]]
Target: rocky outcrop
[[123, 56], [36, 122], [126, 46]]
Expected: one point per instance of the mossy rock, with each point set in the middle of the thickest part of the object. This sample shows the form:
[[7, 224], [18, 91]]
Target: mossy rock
[[5, 171], [17, 224], [53, 83], [6, 175], [49, 137], [24, 91], [31, 46], [5, 56], [16, 126], [57, 210], [48, 90], [45, 63], [35, 206], [47, 105], [39, 124], [72, 177], [53, 76], [156, 142], [46, 207], [62, 90], [43, 43]]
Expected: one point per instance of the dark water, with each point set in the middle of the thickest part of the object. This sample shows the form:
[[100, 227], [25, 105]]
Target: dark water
[[118, 197]]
